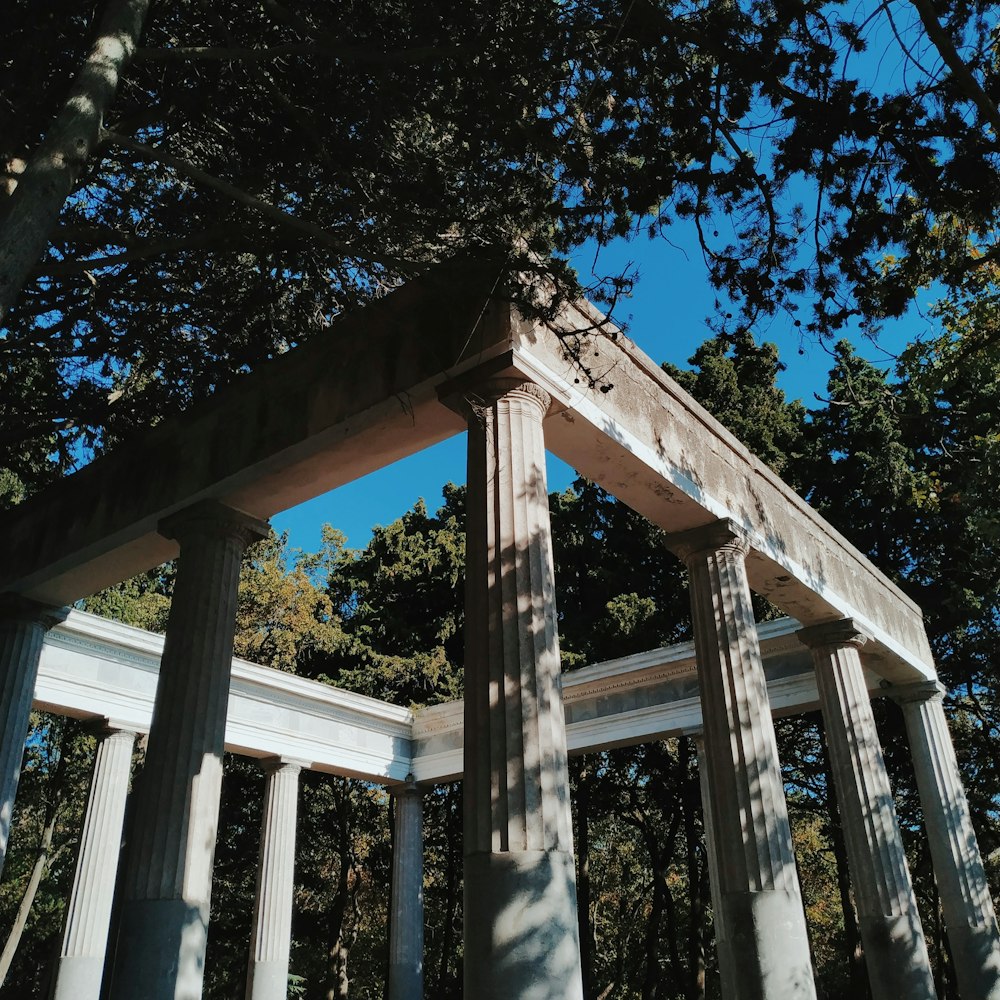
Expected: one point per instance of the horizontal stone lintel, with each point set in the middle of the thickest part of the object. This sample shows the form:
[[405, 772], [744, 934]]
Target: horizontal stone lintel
[[366, 393], [95, 668]]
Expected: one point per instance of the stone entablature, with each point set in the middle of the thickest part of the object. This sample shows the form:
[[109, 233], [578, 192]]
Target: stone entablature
[[343, 405], [93, 667]]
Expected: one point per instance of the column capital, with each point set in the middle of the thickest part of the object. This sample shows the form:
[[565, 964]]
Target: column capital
[[719, 536], [837, 634], [911, 694], [408, 789], [271, 765], [472, 398], [213, 519], [103, 727], [17, 609]]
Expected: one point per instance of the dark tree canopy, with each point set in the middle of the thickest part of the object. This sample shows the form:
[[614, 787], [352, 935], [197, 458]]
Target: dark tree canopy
[[250, 172]]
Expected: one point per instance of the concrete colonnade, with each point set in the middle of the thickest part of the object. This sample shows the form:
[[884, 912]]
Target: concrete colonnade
[[23, 624], [167, 882], [891, 933], [521, 934], [758, 895], [521, 930]]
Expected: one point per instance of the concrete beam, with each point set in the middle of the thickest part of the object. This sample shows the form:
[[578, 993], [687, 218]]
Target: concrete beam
[[366, 394], [647, 442], [631, 700], [350, 401], [95, 668]]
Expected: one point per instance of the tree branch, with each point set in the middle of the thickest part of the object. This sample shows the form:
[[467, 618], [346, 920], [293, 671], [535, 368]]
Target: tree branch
[[350, 53], [959, 70], [266, 209], [46, 182], [232, 239]]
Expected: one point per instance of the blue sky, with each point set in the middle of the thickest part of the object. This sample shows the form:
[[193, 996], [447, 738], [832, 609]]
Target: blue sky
[[666, 317]]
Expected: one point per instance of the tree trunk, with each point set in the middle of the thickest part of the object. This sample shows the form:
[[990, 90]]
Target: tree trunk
[[583, 880], [857, 970], [454, 839], [343, 930], [697, 928], [39, 191], [37, 874]]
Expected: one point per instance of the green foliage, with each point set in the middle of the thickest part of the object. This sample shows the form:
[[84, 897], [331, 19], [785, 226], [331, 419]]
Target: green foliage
[[266, 169], [906, 464], [401, 603], [52, 790]]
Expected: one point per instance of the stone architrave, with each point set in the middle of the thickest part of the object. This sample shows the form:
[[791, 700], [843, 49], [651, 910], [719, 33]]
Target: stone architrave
[[763, 917], [406, 921], [23, 625], [969, 917], [80, 969], [891, 932], [160, 953], [271, 939], [521, 931]]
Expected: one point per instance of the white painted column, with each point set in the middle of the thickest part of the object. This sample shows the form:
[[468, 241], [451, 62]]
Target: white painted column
[[760, 898], [521, 932], [406, 923], [23, 625], [723, 955], [160, 952], [271, 940], [80, 968], [969, 916], [891, 932]]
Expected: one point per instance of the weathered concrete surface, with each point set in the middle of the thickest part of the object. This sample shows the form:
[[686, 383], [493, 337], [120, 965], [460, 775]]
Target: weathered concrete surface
[[80, 967], [766, 940], [167, 883], [651, 445], [353, 400], [365, 395], [634, 699], [894, 945], [23, 624], [92, 667], [969, 916], [271, 936], [519, 913], [406, 907]]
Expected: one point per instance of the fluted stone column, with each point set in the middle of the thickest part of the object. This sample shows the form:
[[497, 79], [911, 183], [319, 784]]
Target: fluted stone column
[[168, 876], [891, 932], [80, 968], [521, 932], [23, 625], [760, 898], [969, 916], [406, 923], [722, 952], [270, 942]]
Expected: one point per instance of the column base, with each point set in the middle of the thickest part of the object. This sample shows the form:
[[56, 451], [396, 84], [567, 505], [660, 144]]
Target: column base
[[896, 958], [521, 934], [160, 954], [79, 977], [768, 946], [976, 951], [406, 981], [268, 981]]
